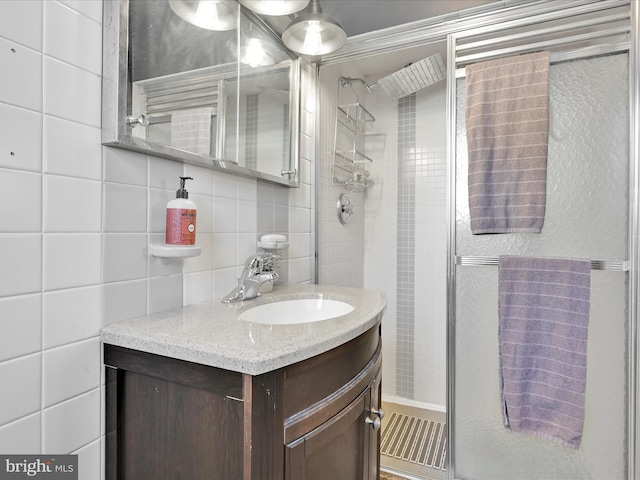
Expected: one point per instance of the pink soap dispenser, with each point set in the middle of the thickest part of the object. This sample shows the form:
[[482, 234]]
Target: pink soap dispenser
[[181, 218]]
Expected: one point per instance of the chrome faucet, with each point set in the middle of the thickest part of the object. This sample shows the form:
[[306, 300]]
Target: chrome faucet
[[252, 278]]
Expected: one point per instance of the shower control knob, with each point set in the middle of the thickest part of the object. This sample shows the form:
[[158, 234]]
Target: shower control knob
[[345, 208], [374, 422], [379, 412]]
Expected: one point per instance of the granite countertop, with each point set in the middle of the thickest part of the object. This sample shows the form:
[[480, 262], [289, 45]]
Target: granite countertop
[[211, 333]]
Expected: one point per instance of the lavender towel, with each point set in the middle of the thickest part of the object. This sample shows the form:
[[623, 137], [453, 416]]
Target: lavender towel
[[507, 120], [544, 317]]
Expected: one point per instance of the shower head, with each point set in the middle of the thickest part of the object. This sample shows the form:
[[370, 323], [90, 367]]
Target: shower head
[[412, 78]]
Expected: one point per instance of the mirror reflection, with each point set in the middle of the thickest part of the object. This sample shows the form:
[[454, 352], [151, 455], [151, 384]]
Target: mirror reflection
[[216, 91]]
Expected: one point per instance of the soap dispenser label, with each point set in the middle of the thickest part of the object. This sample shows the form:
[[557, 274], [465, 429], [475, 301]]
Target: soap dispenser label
[[181, 226]]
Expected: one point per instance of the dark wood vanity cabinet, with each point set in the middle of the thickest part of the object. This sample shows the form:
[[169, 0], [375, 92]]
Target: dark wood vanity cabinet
[[316, 419], [339, 448]]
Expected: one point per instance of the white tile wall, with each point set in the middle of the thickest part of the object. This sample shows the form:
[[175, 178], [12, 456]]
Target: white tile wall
[[21, 326], [124, 300], [341, 252], [76, 258], [21, 22], [89, 461], [66, 89], [70, 370], [225, 250], [71, 260], [71, 315], [123, 166], [72, 37], [22, 436], [21, 260], [90, 8], [24, 86], [198, 287], [127, 254], [20, 201], [225, 215], [164, 293], [125, 208], [72, 204], [71, 149], [72, 424], [21, 382], [20, 138]]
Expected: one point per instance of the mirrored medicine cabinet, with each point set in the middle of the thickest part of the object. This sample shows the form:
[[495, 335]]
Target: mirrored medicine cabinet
[[225, 99]]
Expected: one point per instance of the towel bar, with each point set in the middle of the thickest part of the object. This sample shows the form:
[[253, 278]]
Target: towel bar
[[618, 265]]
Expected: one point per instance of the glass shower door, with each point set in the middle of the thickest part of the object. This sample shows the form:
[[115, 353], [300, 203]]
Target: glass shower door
[[586, 217]]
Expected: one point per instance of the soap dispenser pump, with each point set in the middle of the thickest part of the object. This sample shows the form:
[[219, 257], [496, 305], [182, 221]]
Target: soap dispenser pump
[[181, 218]]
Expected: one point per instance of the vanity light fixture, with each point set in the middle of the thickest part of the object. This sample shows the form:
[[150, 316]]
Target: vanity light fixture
[[275, 7], [219, 15], [314, 33]]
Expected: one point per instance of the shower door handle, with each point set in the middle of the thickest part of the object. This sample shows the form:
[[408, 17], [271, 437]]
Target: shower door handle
[[141, 120]]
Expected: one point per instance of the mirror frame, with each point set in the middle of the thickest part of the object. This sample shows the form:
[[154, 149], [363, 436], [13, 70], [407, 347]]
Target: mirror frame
[[115, 84]]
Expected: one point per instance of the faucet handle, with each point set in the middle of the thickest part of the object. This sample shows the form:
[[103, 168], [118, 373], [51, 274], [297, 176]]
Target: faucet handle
[[254, 265]]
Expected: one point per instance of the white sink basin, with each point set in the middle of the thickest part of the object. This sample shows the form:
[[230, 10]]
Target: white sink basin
[[287, 312]]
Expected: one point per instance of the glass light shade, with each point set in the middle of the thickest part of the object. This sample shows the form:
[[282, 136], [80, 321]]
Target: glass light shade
[[275, 7], [314, 34], [219, 15], [255, 54]]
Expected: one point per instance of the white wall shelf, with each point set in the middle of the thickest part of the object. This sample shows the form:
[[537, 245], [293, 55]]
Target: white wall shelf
[[273, 245], [174, 251]]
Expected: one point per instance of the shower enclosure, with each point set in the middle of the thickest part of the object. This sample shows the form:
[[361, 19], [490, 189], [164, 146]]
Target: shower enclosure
[[409, 234], [589, 215], [395, 241]]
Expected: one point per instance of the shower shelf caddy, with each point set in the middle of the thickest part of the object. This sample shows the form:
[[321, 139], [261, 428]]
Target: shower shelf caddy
[[350, 164]]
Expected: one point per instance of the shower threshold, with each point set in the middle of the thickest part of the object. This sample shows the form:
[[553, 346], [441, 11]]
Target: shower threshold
[[413, 444]]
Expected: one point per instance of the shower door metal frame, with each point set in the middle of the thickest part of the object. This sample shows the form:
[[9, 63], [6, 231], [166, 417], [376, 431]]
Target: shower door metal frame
[[454, 25], [633, 264]]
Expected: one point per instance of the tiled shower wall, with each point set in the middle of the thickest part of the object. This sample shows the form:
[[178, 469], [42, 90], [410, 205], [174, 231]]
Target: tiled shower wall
[[76, 220], [396, 240], [410, 194], [340, 252]]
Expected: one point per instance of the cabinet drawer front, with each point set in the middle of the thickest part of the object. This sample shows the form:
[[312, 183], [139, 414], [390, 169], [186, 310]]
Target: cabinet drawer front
[[306, 383], [310, 418], [216, 380]]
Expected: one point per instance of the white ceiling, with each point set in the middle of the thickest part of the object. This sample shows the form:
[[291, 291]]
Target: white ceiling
[[362, 16]]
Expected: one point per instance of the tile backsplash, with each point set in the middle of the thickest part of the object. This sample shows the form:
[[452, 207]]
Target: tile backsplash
[[76, 219]]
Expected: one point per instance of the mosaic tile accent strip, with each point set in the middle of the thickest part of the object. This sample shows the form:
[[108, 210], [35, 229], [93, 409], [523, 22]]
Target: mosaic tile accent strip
[[405, 315], [251, 132], [285, 135]]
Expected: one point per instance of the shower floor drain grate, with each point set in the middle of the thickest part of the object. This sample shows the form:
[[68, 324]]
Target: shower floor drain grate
[[415, 440]]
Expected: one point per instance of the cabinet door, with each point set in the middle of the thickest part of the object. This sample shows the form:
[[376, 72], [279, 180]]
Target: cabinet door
[[339, 449]]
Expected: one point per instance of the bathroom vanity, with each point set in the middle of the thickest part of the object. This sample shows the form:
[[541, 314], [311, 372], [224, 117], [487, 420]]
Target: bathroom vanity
[[197, 393]]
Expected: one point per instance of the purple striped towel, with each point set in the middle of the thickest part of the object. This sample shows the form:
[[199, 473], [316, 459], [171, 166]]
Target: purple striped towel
[[544, 319], [507, 120]]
